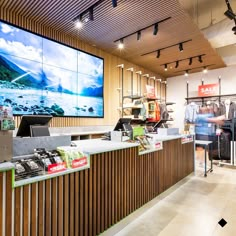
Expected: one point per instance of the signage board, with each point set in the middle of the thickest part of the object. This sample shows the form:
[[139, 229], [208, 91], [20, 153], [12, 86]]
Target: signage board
[[208, 90], [187, 139]]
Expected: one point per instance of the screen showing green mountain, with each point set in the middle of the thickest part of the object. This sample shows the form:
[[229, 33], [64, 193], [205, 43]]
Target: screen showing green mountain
[[41, 76]]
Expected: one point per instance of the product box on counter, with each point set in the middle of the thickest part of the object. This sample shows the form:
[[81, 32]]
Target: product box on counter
[[74, 157]]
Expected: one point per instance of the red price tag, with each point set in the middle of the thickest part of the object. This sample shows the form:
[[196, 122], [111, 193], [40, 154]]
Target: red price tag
[[83, 161], [56, 167]]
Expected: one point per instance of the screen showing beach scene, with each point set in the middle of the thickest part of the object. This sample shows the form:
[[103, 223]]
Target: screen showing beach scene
[[41, 76]]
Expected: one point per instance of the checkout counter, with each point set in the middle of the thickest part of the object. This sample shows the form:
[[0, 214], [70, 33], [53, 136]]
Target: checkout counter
[[86, 201]]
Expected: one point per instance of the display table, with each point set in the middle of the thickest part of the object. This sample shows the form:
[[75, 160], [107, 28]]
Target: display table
[[89, 201], [205, 144]]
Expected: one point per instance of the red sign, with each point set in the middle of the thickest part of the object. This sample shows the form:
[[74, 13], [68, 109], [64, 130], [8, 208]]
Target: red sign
[[83, 161], [187, 139], [56, 167], [208, 90]]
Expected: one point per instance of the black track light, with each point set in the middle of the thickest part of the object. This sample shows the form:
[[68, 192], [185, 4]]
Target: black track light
[[155, 29], [186, 73], [230, 14], [181, 47], [121, 44], [165, 67], [114, 3], [139, 35], [205, 69], [200, 59], [190, 61], [177, 64], [234, 29], [91, 14], [158, 53]]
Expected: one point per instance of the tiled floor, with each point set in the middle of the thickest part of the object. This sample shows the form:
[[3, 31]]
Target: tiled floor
[[192, 207]]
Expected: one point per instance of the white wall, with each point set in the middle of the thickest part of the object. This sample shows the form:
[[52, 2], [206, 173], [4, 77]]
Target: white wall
[[177, 89]]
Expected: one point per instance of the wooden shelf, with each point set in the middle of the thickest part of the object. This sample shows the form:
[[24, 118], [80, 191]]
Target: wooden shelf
[[133, 97], [170, 103]]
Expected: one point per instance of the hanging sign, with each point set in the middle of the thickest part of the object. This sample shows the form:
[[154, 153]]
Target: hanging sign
[[208, 90]]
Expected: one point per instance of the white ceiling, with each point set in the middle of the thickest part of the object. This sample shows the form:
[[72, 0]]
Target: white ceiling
[[209, 16]]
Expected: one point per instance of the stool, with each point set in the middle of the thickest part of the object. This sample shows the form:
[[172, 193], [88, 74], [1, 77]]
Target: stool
[[205, 145]]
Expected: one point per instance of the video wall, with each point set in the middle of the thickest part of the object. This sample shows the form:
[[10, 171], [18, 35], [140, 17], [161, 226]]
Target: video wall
[[41, 76]]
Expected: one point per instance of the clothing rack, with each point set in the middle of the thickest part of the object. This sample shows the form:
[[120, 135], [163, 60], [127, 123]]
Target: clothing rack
[[231, 126]]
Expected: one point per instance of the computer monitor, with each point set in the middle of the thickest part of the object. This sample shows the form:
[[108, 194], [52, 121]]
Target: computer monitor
[[123, 124], [34, 125]]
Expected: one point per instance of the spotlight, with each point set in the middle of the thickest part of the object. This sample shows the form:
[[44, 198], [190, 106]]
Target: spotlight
[[158, 53], [165, 67], [139, 35], [204, 70], [190, 61], [200, 59], [177, 64], [230, 14], [114, 3], [181, 47], [186, 73], [79, 24], [91, 14], [155, 29], [121, 44]]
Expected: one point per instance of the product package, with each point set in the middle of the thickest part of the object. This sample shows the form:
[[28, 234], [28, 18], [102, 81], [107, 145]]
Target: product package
[[73, 157]]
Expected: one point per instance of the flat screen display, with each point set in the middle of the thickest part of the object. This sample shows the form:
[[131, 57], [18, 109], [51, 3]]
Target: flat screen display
[[41, 76]]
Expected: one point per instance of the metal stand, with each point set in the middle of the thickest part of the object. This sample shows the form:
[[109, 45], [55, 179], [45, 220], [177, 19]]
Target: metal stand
[[205, 144]]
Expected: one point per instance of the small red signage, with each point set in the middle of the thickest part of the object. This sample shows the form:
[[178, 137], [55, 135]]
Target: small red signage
[[208, 90], [56, 167], [83, 161]]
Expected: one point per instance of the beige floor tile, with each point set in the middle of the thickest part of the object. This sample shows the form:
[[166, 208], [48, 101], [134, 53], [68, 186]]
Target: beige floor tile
[[190, 208]]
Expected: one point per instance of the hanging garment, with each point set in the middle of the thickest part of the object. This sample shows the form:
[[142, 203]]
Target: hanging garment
[[212, 108], [230, 112], [157, 111], [143, 111], [164, 112], [191, 113]]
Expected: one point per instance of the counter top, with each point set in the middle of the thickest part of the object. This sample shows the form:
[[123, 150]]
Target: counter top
[[94, 146], [167, 137], [78, 133], [6, 166]]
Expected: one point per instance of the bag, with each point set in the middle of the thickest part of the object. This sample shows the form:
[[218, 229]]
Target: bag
[[225, 139]]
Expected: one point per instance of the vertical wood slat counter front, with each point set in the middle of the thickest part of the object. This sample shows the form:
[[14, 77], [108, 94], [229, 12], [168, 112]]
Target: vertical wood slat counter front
[[88, 202]]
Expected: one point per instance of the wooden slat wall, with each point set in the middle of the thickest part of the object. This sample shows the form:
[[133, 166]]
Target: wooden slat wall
[[111, 72], [90, 201], [157, 171]]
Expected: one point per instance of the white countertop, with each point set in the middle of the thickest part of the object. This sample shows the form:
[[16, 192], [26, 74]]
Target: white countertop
[[203, 142], [167, 137], [6, 166], [94, 146], [78, 133]]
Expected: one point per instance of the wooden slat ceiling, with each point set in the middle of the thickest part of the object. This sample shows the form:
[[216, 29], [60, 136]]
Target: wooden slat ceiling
[[129, 16]]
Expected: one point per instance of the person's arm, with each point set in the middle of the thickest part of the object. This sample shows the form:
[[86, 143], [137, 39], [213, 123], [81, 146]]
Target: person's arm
[[218, 120]]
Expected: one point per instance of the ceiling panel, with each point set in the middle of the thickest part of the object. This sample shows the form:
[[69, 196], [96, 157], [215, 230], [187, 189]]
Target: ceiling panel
[[129, 16]]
